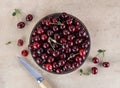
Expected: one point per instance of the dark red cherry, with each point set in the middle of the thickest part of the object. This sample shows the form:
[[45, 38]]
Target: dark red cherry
[[63, 56], [56, 36], [40, 31], [55, 53], [106, 64], [63, 40], [95, 60], [44, 37], [20, 42], [24, 53], [36, 45], [75, 49], [66, 32], [44, 56], [69, 21], [29, 17], [61, 62], [45, 45], [78, 59], [62, 26], [50, 59], [55, 65], [94, 70], [70, 37], [71, 28], [21, 25], [55, 28], [64, 15], [49, 32]]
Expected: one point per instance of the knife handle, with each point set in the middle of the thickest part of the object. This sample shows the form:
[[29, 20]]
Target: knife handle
[[44, 84]]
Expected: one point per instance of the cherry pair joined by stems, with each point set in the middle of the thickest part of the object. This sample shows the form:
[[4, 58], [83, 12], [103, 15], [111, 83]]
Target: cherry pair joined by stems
[[21, 24]]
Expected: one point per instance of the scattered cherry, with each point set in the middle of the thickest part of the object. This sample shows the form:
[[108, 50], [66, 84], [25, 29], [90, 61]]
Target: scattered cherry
[[106, 64], [29, 17], [95, 60], [20, 42], [21, 25], [94, 70], [24, 53]]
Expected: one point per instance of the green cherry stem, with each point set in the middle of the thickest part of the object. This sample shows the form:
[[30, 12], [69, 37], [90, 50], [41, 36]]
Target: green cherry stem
[[58, 23], [72, 56], [100, 51], [54, 41], [50, 43], [84, 73], [17, 11]]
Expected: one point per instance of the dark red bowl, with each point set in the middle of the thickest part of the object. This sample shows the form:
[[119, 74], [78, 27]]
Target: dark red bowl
[[59, 43]]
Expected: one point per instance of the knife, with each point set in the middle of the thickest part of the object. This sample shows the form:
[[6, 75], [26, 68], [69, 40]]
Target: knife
[[42, 83]]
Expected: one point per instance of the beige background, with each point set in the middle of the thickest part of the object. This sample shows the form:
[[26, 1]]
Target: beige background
[[101, 17]]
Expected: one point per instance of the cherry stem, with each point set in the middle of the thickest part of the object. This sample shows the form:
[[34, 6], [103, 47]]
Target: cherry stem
[[72, 56], [97, 54], [84, 73], [17, 11], [9, 42], [100, 51], [58, 23], [51, 44], [54, 41]]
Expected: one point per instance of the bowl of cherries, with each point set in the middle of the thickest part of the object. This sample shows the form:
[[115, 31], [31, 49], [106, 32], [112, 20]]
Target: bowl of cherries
[[59, 43]]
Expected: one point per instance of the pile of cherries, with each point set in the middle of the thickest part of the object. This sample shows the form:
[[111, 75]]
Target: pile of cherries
[[59, 43]]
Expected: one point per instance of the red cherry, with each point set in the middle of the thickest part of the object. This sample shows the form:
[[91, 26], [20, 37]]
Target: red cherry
[[78, 59], [50, 59], [20, 42], [94, 70], [106, 64], [71, 28], [82, 52], [40, 31], [21, 25], [36, 45], [55, 65], [47, 22], [95, 60], [48, 67], [29, 17], [63, 40], [44, 37], [24, 53]]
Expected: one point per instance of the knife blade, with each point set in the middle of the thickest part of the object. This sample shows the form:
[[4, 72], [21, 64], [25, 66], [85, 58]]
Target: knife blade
[[43, 83]]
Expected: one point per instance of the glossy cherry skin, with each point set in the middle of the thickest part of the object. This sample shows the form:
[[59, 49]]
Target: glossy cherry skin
[[21, 25], [106, 64], [24, 53], [20, 42], [29, 17], [95, 60], [94, 70]]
